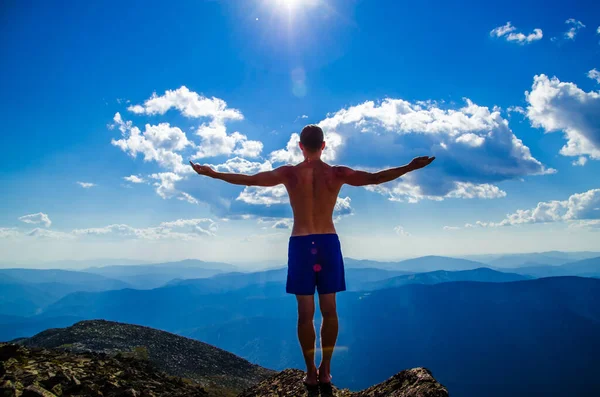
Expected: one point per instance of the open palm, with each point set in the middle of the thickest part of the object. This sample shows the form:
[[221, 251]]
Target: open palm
[[420, 162]]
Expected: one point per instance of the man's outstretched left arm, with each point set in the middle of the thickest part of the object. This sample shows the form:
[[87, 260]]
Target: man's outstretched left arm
[[265, 178]]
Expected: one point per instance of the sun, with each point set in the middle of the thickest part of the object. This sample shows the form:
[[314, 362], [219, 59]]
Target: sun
[[294, 4]]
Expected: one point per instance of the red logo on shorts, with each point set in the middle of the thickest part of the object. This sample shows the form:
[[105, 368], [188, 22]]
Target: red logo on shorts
[[317, 267]]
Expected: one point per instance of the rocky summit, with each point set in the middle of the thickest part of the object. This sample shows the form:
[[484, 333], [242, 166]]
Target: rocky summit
[[417, 382], [217, 370], [50, 373]]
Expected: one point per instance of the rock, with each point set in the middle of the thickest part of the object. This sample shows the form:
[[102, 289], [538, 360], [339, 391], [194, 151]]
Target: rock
[[36, 391], [26, 373], [417, 382]]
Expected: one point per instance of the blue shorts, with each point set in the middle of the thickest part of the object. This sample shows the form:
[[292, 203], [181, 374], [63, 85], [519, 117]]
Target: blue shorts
[[315, 260]]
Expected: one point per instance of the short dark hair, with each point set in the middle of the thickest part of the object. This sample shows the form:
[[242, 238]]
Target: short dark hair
[[311, 137]]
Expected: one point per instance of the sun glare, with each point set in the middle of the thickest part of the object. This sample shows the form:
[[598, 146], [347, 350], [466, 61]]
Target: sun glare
[[293, 4]]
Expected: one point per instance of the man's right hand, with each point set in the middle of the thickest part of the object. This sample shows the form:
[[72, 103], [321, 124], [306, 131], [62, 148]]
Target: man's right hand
[[420, 162], [202, 169]]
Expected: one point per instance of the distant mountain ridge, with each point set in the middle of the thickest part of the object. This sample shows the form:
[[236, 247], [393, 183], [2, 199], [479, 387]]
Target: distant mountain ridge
[[584, 268], [482, 274], [158, 274], [26, 292]]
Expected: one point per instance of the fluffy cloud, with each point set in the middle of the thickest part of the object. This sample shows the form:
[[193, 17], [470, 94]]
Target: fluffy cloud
[[166, 185], [399, 230], [241, 165], [578, 207], [575, 27], [277, 223], [581, 161], [216, 142], [9, 232], [39, 218], [182, 229], [189, 103], [557, 106], [474, 147], [134, 179], [594, 75], [158, 143], [264, 195], [342, 208], [49, 234], [508, 32], [86, 185]]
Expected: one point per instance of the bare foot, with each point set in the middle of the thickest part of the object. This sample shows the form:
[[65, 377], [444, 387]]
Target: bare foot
[[311, 378]]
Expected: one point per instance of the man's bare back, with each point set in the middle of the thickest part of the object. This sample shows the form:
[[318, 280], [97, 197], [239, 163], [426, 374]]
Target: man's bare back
[[313, 188]]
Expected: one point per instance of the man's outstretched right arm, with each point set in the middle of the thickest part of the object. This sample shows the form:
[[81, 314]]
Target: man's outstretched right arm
[[362, 178]]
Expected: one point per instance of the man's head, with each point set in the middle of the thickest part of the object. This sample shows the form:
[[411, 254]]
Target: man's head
[[311, 140]]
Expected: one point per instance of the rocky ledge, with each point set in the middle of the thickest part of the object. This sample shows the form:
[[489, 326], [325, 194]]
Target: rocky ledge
[[417, 382], [49, 373]]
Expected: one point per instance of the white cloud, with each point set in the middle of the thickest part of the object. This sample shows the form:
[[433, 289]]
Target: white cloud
[[189, 103], [581, 161], [194, 225], [558, 106], [342, 208], [575, 27], [181, 229], [448, 228], [264, 195], [188, 197], [508, 32], [406, 191], [49, 234], [216, 142], [593, 225], [9, 232], [470, 139], [86, 185], [516, 109], [502, 30], [134, 179], [277, 223], [241, 165], [157, 143], [594, 75], [283, 224], [473, 145], [166, 189], [470, 190], [35, 219], [401, 232], [579, 206]]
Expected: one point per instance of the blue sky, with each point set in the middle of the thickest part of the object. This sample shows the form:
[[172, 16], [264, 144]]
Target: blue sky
[[233, 80]]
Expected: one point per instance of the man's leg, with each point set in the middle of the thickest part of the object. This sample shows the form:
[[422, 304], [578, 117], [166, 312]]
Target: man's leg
[[306, 335], [329, 333]]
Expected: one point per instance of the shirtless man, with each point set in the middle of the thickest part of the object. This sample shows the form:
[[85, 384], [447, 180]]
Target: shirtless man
[[315, 256]]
